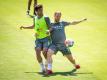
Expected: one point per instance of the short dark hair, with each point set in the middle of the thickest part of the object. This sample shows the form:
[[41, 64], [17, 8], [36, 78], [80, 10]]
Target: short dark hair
[[57, 12], [38, 7]]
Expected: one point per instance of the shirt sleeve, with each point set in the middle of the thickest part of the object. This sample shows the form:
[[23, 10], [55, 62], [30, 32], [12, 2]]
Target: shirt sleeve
[[48, 22], [65, 23]]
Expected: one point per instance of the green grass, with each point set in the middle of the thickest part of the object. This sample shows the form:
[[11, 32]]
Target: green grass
[[17, 56]]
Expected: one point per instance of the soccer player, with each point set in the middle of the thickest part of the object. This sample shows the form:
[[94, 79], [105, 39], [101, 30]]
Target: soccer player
[[58, 41], [29, 5], [41, 26]]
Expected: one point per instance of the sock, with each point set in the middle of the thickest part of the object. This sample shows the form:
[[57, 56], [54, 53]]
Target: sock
[[46, 64], [42, 66], [74, 65], [49, 67]]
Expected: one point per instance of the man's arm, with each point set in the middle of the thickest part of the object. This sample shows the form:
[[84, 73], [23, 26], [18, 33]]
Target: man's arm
[[35, 3], [29, 27], [48, 22], [77, 22], [29, 4]]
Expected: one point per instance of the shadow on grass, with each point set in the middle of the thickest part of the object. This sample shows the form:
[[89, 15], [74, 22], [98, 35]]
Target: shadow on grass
[[69, 73]]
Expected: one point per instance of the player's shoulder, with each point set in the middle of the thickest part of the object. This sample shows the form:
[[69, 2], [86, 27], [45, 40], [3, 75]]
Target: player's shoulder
[[35, 17], [45, 16], [63, 21], [52, 23]]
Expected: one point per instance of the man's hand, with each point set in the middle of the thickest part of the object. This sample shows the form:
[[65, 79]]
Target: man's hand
[[21, 27], [47, 32], [84, 19], [28, 11], [36, 35]]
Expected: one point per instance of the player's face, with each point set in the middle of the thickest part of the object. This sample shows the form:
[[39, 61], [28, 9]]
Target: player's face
[[57, 17], [40, 12]]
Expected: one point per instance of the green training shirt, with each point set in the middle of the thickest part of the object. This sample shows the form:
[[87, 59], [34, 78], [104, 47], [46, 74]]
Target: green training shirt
[[40, 27]]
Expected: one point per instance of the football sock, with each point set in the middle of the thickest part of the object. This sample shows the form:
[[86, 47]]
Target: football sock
[[49, 67], [42, 66]]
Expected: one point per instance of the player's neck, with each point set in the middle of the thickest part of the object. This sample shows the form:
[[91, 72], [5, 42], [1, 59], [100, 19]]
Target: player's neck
[[56, 21], [39, 16]]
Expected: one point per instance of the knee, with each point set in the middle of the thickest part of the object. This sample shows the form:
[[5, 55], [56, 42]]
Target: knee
[[37, 49], [45, 50], [50, 52]]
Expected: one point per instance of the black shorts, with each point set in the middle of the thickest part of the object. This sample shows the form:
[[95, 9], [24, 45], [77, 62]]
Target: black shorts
[[42, 43], [60, 47]]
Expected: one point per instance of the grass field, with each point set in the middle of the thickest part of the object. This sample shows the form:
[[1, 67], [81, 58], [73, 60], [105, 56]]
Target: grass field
[[17, 56]]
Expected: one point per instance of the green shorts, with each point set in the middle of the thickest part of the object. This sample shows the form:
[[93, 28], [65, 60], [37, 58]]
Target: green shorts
[[60, 47]]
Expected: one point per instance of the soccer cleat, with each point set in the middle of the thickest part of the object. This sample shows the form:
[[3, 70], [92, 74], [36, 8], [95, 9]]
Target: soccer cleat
[[49, 72], [42, 71], [77, 66]]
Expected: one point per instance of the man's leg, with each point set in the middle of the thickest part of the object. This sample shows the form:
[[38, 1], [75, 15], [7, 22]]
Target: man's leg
[[45, 56], [52, 50], [45, 49], [38, 54], [49, 58], [45, 53], [66, 52], [72, 60], [39, 59], [49, 61]]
